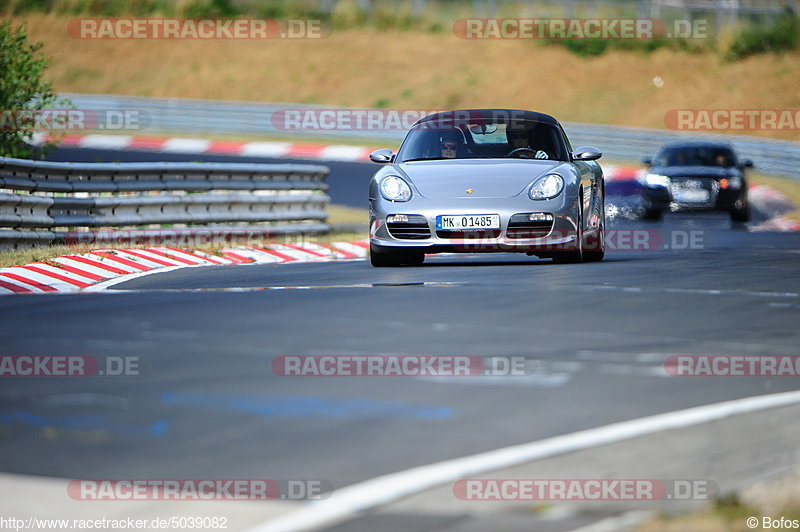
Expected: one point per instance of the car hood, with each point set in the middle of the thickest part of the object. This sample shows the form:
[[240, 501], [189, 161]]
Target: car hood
[[488, 178], [717, 172]]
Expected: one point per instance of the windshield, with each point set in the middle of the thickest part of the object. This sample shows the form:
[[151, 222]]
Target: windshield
[[696, 156], [482, 139]]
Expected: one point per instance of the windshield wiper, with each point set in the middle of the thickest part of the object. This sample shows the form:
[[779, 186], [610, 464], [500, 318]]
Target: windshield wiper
[[429, 159]]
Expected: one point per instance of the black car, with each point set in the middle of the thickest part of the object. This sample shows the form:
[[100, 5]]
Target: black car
[[696, 175]]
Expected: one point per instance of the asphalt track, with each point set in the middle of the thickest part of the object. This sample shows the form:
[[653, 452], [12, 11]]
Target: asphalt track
[[208, 405]]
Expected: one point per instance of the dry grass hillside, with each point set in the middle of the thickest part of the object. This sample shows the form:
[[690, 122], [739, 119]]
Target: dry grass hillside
[[422, 71]]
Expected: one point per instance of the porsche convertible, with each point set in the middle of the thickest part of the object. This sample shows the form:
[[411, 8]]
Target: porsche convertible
[[486, 181]]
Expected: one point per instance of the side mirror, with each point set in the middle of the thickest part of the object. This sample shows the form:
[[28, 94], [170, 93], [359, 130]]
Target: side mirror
[[586, 153], [647, 160], [747, 163], [382, 156]]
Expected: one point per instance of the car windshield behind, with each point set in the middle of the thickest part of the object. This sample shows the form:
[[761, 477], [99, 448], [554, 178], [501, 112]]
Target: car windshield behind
[[695, 156], [483, 139]]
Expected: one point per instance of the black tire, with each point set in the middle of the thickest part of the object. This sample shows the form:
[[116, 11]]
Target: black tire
[[573, 256], [568, 257], [416, 258], [741, 214], [596, 255], [388, 259], [653, 214]]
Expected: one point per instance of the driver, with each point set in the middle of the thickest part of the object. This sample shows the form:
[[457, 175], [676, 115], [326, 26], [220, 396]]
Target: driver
[[524, 141], [518, 136], [721, 160]]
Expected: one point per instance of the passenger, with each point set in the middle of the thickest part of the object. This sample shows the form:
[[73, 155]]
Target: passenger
[[450, 143], [678, 158]]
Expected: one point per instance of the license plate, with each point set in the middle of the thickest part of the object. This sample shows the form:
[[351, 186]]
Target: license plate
[[468, 221], [691, 196]]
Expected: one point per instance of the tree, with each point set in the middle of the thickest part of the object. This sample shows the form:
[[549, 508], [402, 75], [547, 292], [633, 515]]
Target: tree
[[22, 89]]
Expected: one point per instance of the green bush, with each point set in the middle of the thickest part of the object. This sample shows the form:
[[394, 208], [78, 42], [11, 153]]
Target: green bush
[[389, 20], [112, 8], [32, 5], [22, 86], [595, 47], [782, 36], [584, 47], [211, 9]]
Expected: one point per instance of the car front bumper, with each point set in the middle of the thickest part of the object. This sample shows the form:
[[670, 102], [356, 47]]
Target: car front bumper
[[559, 234], [657, 197]]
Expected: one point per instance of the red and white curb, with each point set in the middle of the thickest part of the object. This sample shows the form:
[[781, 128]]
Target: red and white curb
[[332, 152], [782, 224], [777, 205], [75, 273]]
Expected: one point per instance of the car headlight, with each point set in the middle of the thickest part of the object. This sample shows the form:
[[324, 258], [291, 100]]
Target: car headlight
[[547, 187], [656, 180], [395, 189], [735, 182]]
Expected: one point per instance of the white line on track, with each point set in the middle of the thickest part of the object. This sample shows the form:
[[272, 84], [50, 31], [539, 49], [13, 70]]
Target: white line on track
[[625, 521], [689, 291], [349, 501], [101, 286]]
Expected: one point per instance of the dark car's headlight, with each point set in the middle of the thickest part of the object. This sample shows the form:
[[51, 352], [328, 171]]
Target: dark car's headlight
[[657, 180], [547, 187], [395, 189]]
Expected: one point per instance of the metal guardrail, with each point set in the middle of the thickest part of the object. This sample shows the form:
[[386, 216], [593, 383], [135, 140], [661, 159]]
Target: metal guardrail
[[55, 197], [193, 117]]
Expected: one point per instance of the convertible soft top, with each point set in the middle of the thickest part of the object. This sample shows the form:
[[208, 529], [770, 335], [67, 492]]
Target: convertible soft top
[[489, 115]]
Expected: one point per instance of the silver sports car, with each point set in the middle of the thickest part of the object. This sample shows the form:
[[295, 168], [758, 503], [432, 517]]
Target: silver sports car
[[486, 180]]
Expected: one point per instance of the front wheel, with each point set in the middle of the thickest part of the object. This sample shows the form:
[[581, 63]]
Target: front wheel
[[742, 212], [574, 255], [387, 259], [653, 214], [595, 249]]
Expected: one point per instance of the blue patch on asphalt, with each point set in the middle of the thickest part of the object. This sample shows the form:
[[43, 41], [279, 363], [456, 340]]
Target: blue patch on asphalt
[[88, 422], [305, 406]]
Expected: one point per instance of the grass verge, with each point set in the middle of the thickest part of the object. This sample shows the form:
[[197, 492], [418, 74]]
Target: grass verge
[[775, 499]]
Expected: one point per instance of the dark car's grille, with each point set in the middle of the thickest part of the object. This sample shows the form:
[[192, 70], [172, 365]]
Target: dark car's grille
[[416, 228], [521, 226], [683, 187]]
